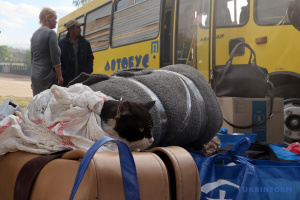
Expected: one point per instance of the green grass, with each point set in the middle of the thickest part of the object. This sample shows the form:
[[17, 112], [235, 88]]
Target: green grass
[[21, 101]]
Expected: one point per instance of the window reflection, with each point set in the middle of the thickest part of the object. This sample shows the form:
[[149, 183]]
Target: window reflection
[[271, 12], [185, 32], [231, 13]]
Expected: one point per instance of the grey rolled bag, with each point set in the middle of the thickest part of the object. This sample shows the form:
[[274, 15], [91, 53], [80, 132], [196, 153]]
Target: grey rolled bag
[[186, 112]]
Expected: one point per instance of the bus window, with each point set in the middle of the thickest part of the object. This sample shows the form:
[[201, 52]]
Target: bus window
[[81, 20], [98, 26], [138, 1], [202, 15], [271, 12], [166, 44], [136, 23], [62, 35], [223, 17], [122, 4], [231, 13], [186, 19]]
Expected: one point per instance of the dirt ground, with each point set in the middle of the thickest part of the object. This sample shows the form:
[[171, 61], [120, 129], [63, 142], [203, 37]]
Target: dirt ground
[[15, 86]]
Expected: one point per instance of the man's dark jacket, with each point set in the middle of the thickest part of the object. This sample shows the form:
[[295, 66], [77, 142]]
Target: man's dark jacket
[[84, 55]]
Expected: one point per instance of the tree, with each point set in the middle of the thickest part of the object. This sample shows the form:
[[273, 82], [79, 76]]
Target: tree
[[5, 54], [79, 3], [27, 57]]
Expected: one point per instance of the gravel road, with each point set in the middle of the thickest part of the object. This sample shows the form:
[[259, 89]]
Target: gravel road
[[15, 86]]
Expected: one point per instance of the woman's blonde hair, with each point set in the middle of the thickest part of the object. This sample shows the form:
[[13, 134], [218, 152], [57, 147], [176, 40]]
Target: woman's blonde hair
[[45, 13]]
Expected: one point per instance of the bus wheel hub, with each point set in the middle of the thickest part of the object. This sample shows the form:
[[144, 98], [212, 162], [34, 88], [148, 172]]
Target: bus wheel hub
[[292, 120]]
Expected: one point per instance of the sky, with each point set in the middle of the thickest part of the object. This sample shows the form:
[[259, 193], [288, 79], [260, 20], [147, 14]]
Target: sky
[[19, 19]]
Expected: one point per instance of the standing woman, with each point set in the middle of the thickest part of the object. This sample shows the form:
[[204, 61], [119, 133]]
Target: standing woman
[[45, 54]]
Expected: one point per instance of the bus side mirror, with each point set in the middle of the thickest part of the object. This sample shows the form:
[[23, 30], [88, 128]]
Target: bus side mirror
[[294, 13]]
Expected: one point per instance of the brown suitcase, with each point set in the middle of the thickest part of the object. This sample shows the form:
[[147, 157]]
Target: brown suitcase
[[163, 173]]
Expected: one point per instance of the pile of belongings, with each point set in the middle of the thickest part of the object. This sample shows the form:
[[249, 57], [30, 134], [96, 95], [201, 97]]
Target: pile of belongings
[[186, 111]]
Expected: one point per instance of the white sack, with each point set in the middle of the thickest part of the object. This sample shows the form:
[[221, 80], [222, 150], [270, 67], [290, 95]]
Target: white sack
[[57, 119]]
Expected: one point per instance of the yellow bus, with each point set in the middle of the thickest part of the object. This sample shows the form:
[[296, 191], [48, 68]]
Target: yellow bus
[[140, 33], [200, 33]]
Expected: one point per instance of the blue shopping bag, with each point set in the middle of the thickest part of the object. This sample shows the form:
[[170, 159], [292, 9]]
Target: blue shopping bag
[[227, 138], [234, 176], [283, 153]]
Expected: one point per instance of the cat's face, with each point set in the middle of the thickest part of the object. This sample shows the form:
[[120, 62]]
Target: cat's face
[[132, 122]]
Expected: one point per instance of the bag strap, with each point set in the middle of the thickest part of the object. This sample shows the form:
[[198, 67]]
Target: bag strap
[[257, 123], [128, 168], [29, 172], [182, 170], [235, 49]]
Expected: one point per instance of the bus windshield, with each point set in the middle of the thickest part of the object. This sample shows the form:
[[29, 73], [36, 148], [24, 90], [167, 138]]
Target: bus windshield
[[271, 12]]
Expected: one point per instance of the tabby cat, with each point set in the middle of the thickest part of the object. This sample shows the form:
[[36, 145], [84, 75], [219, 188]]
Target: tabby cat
[[128, 121]]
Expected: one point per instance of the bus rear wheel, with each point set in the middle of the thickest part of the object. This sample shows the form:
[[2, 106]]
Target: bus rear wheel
[[287, 86], [292, 120]]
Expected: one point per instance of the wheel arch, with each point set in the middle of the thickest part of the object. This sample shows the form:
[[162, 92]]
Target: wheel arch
[[286, 84]]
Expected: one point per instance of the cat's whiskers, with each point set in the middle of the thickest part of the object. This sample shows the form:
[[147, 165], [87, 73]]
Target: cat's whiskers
[[150, 122]]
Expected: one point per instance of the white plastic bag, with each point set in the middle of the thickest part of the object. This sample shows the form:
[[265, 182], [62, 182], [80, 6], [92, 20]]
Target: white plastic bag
[[8, 107]]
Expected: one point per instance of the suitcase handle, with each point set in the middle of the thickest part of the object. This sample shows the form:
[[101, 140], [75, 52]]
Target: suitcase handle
[[128, 168]]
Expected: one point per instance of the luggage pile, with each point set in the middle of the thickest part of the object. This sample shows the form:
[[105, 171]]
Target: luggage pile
[[186, 113], [161, 173]]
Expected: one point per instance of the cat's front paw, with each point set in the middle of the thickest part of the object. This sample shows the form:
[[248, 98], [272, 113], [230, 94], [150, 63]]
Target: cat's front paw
[[136, 150], [19, 114]]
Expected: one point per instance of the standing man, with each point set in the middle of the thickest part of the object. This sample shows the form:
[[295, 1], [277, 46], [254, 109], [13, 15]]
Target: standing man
[[76, 53]]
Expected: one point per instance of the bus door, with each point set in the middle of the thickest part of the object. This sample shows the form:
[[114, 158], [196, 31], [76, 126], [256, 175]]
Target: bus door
[[203, 41], [231, 25], [185, 32], [167, 33], [192, 34], [264, 25]]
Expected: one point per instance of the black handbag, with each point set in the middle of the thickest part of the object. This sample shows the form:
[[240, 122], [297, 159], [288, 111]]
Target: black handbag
[[240, 80]]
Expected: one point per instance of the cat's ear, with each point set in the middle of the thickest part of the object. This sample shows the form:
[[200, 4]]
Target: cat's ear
[[149, 104], [124, 109]]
